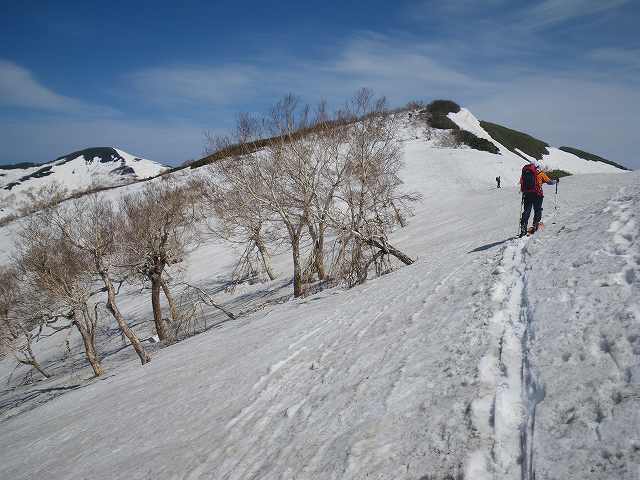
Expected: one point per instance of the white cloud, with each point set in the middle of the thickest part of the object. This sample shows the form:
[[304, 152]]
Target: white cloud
[[597, 117], [624, 57], [18, 88], [552, 12], [180, 84], [430, 9], [376, 58], [595, 114], [404, 70]]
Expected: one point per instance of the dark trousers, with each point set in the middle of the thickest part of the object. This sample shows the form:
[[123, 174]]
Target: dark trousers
[[531, 200]]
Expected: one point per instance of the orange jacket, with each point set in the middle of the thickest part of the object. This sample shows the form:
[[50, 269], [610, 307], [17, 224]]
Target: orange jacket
[[540, 179]]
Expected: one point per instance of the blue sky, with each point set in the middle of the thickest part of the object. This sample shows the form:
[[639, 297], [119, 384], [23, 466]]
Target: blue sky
[[152, 77]]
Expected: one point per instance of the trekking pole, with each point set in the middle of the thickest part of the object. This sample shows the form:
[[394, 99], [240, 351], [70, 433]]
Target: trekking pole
[[555, 199], [520, 214]]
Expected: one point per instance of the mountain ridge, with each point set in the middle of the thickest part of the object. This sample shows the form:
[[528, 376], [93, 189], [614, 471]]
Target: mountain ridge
[[98, 168], [78, 172]]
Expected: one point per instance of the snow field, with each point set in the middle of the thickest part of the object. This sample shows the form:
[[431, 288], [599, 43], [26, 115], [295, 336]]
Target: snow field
[[587, 330], [433, 371]]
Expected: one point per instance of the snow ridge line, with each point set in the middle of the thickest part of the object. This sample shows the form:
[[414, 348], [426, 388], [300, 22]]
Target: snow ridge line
[[504, 412]]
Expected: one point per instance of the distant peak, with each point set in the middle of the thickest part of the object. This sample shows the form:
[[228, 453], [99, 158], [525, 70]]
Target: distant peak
[[101, 154]]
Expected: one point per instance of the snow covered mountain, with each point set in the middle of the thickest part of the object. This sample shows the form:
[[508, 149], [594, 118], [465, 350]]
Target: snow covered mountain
[[490, 357], [79, 171], [24, 185]]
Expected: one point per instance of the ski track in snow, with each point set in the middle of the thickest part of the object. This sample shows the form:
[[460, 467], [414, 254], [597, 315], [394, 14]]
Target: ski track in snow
[[587, 350], [625, 242], [504, 413]]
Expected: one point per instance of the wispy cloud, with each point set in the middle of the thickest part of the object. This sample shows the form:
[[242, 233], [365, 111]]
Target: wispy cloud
[[429, 9], [624, 57], [172, 85], [377, 61], [209, 96], [508, 18], [568, 110], [19, 88], [376, 58], [553, 12]]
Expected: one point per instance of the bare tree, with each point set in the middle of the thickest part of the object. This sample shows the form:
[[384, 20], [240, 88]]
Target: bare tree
[[17, 331], [46, 196], [329, 171], [310, 173], [239, 219], [89, 226], [372, 201], [243, 223], [159, 224], [273, 177], [56, 276]]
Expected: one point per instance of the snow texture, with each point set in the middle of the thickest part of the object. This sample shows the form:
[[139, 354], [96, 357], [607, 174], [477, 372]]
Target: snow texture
[[491, 357]]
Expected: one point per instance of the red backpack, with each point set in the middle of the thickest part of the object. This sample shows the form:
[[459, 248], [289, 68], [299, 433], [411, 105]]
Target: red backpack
[[528, 182]]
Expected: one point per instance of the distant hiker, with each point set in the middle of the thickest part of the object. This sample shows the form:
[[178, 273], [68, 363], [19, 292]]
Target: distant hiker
[[531, 182], [498, 180]]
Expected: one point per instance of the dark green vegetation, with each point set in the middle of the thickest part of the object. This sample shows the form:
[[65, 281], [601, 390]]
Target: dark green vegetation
[[437, 114], [443, 107], [231, 151], [553, 174], [591, 157], [512, 139], [250, 147], [471, 140], [42, 172], [15, 166], [442, 122], [104, 155]]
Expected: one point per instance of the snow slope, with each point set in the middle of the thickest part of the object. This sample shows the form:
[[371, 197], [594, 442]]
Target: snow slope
[[490, 357], [78, 171], [555, 160]]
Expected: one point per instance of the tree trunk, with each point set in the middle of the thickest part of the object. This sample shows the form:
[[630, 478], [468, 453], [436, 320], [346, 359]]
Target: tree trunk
[[42, 371], [124, 327], [317, 259], [266, 258], [400, 219], [90, 348], [319, 254], [399, 255], [170, 300], [161, 327], [33, 361], [339, 257], [389, 249], [297, 268]]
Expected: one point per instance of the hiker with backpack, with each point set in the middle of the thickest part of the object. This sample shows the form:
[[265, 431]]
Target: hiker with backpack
[[498, 180], [531, 181]]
